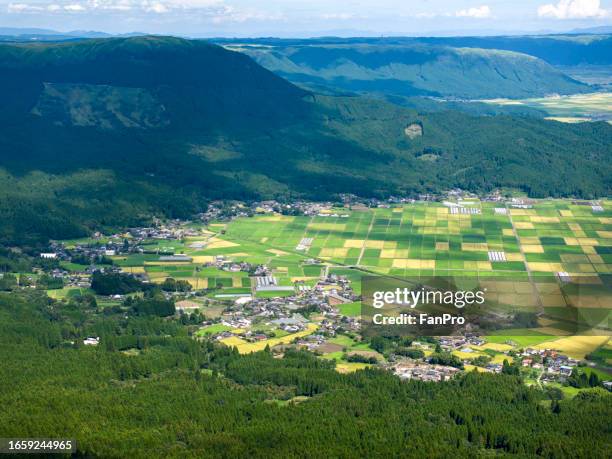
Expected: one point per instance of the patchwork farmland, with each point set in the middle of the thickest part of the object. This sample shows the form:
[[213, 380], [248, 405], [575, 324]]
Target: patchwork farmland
[[544, 240], [535, 245], [426, 238]]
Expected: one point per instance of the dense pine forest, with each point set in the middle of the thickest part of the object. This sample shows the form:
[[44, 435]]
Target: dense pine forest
[[149, 389]]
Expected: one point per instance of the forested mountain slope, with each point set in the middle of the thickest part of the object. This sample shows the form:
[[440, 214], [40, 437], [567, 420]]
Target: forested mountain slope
[[174, 396], [107, 131]]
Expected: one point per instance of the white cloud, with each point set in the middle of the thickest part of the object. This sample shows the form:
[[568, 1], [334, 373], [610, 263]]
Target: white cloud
[[480, 12], [225, 14], [573, 9], [147, 6], [17, 7], [74, 7], [156, 7], [338, 16], [23, 8]]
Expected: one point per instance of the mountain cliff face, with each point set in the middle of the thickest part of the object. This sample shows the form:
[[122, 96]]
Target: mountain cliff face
[[107, 131]]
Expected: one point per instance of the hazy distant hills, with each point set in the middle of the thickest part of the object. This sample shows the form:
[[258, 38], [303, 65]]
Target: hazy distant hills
[[106, 131], [567, 50], [415, 69]]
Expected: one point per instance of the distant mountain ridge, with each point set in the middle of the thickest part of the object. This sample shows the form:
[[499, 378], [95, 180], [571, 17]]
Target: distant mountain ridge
[[556, 49], [413, 69]]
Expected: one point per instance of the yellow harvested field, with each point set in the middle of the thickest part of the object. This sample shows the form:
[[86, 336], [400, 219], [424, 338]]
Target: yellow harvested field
[[566, 213], [467, 355], [545, 267], [533, 248], [549, 301], [197, 282], [469, 368], [605, 234], [133, 269], [246, 348], [524, 225], [237, 281], [234, 341], [441, 245], [334, 253], [514, 257], [216, 243], [508, 232], [499, 347], [277, 252], [414, 264], [326, 226], [499, 358], [538, 219], [350, 367], [530, 240], [575, 346], [474, 246], [354, 243], [276, 218], [375, 244], [203, 259], [302, 278], [522, 212]]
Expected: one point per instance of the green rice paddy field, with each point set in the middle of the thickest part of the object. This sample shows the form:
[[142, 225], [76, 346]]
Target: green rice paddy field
[[420, 239], [416, 240]]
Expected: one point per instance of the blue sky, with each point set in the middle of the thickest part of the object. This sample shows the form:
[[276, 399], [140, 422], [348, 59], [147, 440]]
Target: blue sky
[[306, 17]]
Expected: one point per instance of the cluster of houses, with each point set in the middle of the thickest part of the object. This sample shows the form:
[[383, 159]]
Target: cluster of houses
[[284, 313], [551, 362], [423, 371], [451, 343]]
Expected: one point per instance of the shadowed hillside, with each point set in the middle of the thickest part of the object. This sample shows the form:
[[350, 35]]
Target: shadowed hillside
[[108, 131]]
